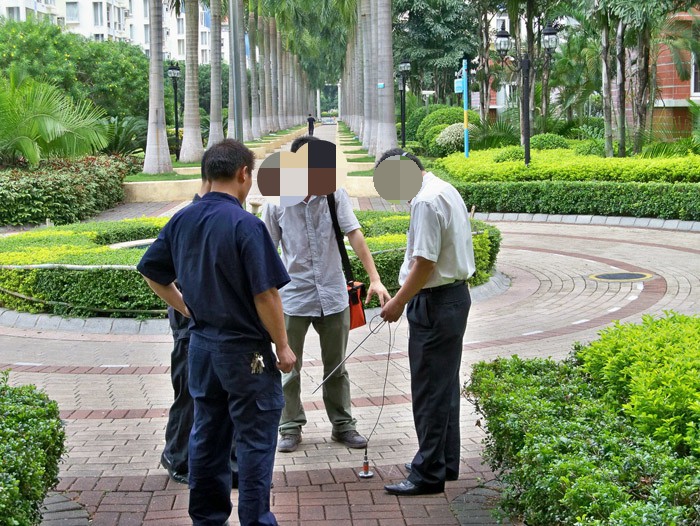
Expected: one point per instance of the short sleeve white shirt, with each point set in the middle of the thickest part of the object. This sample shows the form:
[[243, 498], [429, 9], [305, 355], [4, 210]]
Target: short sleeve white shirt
[[439, 231]]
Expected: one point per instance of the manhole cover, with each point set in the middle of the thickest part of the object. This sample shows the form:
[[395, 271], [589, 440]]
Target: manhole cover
[[621, 276]]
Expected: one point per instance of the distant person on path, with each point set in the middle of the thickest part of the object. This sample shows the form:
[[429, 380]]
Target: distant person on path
[[177, 431], [311, 122], [318, 296], [439, 259], [230, 273]]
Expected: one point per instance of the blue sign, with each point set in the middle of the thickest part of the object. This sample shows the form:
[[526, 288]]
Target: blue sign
[[458, 85], [380, 85]]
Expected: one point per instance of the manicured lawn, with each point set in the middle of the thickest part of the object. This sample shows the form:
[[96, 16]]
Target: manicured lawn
[[172, 176], [361, 150], [363, 173], [366, 159]]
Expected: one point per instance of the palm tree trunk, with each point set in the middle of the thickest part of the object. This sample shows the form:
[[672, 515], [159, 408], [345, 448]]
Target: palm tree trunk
[[268, 76], [262, 60], [274, 75], [254, 94], [607, 85], [367, 67], [243, 65], [386, 137], [216, 127], [192, 149], [157, 157], [643, 96], [282, 88], [485, 63], [621, 94]]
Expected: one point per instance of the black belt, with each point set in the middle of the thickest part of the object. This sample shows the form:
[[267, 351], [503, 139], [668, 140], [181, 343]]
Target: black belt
[[442, 287]]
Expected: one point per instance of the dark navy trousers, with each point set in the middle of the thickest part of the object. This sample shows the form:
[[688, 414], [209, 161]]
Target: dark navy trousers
[[228, 395], [437, 322]]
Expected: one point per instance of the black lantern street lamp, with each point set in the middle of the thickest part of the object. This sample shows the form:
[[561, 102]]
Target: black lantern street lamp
[[404, 69], [550, 41], [174, 74]]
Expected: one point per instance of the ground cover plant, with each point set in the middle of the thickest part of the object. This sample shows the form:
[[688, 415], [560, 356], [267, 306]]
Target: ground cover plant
[[62, 190], [575, 181], [34, 276], [607, 437], [31, 444]]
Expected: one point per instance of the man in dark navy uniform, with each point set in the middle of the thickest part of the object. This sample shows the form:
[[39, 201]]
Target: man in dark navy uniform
[[230, 273]]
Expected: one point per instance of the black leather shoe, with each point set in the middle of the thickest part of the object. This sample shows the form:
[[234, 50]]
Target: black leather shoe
[[449, 476], [180, 478], [407, 488]]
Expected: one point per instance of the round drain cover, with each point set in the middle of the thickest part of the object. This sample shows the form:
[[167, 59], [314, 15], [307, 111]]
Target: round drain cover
[[621, 276]]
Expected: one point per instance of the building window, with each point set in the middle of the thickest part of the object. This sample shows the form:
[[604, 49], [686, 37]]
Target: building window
[[72, 12], [99, 37], [131, 6], [180, 26], [205, 56], [13, 13], [146, 34], [181, 47], [204, 38], [97, 14], [145, 8], [147, 52], [132, 32], [696, 76]]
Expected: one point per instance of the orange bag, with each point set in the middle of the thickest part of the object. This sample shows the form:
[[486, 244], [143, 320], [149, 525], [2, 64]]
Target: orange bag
[[356, 290]]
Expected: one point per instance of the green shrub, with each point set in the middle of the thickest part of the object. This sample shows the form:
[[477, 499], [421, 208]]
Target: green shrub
[[122, 291], [414, 147], [416, 117], [651, 372], [565, 165], [594, 147], [31, 444], [127, 135], [510, 153], [497, 134], [446, 116], [432, 148], [548, 141], [566, 452], [662, 200], [451, 139], [63, 191]]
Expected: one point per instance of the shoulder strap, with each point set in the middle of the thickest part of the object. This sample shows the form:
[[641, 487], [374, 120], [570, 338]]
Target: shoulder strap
[[347, 269]]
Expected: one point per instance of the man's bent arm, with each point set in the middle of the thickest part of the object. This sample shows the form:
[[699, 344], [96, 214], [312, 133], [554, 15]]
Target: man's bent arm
[[416, 280], [170, 295], [269, 307]]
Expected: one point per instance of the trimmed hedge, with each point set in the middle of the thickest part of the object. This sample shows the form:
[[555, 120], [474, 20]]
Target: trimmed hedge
[[565, 165], [416, 117], [122, 292], [31, 444], [548, 141], [64, 191], [568, 447], [661, 200], [449, 115]]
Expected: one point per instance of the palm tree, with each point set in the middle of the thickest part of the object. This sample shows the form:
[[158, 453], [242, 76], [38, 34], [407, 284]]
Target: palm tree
[[274, 74], [386, 115], [157, 157], [38, 119], [262, 60], [267, 70], [216, 127], [254, 93], [192, 149]]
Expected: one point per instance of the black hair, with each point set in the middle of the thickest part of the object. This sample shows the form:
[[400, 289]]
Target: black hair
[[301, 141], [398, 151], [204, 161], [224, 159]]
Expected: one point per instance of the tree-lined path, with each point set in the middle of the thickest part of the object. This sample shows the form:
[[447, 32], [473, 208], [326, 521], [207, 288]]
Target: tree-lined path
[[111, 380]]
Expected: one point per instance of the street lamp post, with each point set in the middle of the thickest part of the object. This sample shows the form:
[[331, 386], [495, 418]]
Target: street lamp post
[[174, 74], [503, 44], [404, 69]]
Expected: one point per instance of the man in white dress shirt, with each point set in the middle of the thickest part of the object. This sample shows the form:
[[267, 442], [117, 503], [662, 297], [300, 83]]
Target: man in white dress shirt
[[317, 295], [439, 259]]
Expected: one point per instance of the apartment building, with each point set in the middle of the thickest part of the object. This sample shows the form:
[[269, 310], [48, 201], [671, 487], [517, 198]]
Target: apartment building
[[120, 20]]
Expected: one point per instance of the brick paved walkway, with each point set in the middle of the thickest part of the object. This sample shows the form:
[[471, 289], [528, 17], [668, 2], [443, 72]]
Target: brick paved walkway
[[113, 386]]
